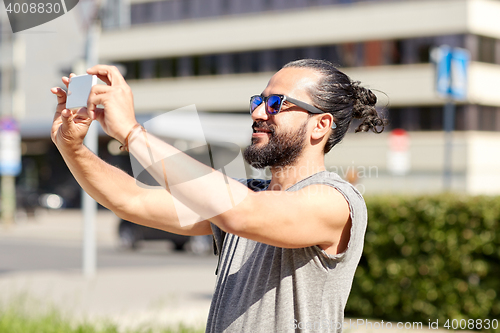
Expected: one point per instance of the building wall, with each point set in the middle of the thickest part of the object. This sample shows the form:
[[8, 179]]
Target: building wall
[[475, 163], [223, 58], [483, 164], [40, 57], [313, 26], [195, 57]]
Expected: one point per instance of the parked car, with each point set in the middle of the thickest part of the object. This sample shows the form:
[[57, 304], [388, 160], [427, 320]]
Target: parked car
[[28, 200], [132, 234]]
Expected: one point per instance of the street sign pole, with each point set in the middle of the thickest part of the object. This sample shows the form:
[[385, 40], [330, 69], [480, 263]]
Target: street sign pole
[[448, 122], [451, 83]]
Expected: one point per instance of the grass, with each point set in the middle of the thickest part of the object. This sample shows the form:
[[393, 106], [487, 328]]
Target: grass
[[14, 319]]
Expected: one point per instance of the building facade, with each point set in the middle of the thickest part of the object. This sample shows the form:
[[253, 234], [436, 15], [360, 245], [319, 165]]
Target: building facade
[[217, 53]]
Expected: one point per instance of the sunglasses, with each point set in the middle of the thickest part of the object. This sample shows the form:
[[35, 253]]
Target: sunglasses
[[274, 103]]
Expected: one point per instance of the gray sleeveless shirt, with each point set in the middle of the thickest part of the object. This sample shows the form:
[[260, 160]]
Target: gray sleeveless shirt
[[263, 288]]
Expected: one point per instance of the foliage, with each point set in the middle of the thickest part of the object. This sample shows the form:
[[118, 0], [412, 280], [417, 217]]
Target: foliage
[[429, 257]]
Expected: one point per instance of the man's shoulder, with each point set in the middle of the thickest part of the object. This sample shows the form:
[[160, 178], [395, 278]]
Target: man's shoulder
[[346, 189]]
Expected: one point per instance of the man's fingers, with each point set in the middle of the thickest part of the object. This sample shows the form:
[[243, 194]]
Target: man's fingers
[[82, 113], [61, 95], [97, 97], [66, 79], [98, 113], [66, 118], [109, 74], [66, 113], [100, 89], [92, 103]]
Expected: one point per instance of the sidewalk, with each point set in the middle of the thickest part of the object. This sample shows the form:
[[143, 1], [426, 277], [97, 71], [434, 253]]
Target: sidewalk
[[64, 226], [130, 297]]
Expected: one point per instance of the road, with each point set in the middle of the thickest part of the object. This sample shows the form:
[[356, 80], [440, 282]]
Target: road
[[22, 255], [154, 285], [41, 259]]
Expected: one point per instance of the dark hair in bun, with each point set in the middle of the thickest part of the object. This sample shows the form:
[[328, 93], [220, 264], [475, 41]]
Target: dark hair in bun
[[344, 99]]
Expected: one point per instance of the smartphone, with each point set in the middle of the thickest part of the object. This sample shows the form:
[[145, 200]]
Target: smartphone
[[79, 90]]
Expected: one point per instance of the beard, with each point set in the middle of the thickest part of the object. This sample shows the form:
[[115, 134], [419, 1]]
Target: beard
[[282, 150]]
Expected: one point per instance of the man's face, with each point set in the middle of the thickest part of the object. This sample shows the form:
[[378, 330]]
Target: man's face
[[279, 140], [282, 148]]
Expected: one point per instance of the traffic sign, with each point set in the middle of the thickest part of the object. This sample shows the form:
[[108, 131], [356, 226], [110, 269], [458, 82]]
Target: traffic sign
[[451, 71], [460, 59], [398, 156], [10, 147]]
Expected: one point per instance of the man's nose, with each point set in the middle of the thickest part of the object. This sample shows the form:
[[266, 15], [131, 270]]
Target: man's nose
[[260, 113]]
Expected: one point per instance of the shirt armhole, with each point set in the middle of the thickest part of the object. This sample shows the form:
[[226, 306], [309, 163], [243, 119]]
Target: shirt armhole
[[340, 256]]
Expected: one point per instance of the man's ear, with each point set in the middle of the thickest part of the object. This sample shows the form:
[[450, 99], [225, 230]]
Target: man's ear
[[324, 122]]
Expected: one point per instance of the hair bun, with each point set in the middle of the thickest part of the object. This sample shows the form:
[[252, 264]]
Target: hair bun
[[363, 95], [335, 93], [364, 108]]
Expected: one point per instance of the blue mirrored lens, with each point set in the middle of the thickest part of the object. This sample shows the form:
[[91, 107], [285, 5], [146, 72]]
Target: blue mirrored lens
[[273, 104], [255, 102]]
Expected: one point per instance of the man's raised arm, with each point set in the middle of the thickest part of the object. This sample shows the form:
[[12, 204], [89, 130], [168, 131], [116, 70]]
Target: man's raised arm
[[109, 185], [272, 218]]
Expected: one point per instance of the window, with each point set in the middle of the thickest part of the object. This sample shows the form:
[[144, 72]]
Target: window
[[147, 69], [224, 64], [395, 118], [431, 118], [166, 67], [369, 53], [488, 118], [131, 70], [373, 53], [424, 51], [186, 8], [225, 6], [459, 118], [266, 61], [348, 55], [185, 66], [208, 65], [416, 119], [486, 49], [392, 52]]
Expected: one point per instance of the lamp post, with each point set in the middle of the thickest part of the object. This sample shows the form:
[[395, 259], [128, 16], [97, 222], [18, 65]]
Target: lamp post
[[91, 25]]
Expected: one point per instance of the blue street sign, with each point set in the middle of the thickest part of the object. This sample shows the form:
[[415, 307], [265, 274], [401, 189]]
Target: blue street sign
[[451, 71], [458, 70], [442, 58]]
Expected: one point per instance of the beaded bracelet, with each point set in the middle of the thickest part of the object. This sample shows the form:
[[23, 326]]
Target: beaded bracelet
[[124, 146]]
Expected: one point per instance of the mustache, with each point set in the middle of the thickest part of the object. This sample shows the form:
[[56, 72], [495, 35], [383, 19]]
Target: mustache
[[264, 126]]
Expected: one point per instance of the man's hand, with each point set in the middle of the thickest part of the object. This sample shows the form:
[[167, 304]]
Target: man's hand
[[68, 127], [117, 118]]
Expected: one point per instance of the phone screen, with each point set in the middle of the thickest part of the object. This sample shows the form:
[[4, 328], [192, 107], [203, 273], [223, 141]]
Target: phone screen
[[79, 90]]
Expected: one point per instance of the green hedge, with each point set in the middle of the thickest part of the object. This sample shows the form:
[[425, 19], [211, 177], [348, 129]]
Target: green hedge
[[429, 257]]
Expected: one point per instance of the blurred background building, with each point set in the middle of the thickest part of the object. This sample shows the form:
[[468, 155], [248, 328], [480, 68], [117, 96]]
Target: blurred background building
[[217, 53]]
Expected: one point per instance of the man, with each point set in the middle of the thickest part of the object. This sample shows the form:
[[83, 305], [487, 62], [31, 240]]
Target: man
[[288, 249]]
